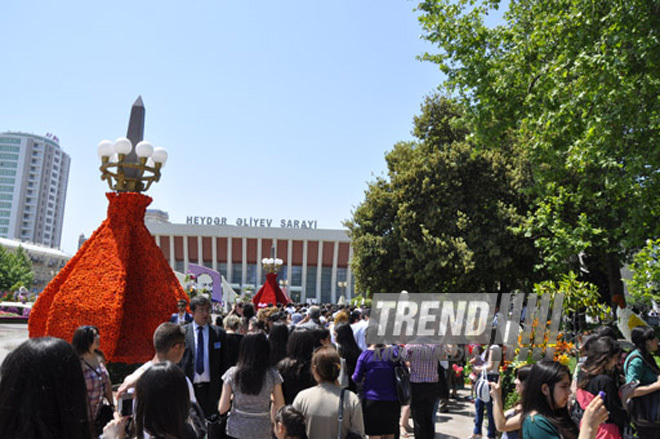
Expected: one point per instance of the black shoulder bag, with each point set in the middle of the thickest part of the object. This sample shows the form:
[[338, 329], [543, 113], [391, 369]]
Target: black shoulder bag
[[349, 434]]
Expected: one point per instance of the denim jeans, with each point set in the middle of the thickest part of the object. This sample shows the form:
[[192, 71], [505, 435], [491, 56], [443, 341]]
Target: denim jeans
[[479, 406]]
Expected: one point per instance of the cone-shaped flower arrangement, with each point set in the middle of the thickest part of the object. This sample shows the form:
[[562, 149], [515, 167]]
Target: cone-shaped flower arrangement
[[119, 280]]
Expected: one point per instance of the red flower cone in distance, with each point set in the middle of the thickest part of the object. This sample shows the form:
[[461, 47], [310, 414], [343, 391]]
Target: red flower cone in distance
[[119, 281], [270, 292]]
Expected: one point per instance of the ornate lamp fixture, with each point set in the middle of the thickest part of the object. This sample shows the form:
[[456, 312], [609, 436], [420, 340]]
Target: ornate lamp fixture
[[128, 170], [272, 265]]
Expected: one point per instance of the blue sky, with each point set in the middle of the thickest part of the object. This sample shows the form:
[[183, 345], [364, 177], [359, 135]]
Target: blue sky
[[279, 110]]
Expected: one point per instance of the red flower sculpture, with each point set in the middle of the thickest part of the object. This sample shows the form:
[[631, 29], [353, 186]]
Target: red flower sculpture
[[270, 292], [119, 281]]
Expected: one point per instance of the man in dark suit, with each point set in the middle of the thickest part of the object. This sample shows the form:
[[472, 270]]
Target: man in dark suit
[[203, 360], [181, 317]]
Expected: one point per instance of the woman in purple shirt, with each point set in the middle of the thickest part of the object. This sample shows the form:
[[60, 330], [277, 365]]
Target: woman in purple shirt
[[375, 369]]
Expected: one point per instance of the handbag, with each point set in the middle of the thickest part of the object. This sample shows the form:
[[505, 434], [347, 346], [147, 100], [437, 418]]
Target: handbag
[[103, 416], [402, 382], [216, 426], [482, 388], [644, 410], [350, 434]]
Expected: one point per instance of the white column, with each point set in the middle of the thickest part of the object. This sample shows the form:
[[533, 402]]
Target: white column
[[319, 270], [200, 251], [230, 271], [172, 251], [214, 253], [303, 295], [259, 244], [333, 284], [244, 262]]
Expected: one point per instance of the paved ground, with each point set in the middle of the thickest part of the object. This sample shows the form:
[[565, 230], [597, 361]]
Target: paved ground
[[456, 424], [11, 335]]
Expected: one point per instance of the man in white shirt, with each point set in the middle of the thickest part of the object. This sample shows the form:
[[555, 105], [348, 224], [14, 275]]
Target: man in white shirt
[[204, 360], [360, 329]]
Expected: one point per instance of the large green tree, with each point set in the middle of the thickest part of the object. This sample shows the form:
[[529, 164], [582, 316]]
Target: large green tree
[[15, 269], [445, 218], [576, 83]]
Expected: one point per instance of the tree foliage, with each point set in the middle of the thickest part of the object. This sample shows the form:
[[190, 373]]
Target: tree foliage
[[15, 269], [645, 284], [446, 218], [576, 84]]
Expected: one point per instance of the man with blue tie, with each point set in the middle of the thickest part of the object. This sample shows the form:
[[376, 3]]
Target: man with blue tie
[[203, 361]]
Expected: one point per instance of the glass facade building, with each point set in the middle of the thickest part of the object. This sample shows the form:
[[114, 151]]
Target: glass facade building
[[34, 174]]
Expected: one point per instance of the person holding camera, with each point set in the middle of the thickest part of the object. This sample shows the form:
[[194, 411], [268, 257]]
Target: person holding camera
[[162, 408]]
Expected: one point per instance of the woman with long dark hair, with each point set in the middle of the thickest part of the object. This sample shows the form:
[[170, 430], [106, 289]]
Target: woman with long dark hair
[[597, 374], [349, 351], [509, 422], [278, 336], [163, 403], [295, 367], [86, 342], [162, 407], [640, 366], [43, 393], [251, 382], [544, 406]]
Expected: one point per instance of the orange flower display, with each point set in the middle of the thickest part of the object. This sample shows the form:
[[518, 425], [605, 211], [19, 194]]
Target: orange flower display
[[119, 281]]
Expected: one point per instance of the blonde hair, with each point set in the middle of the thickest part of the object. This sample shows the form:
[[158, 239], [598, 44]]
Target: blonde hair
[[340, 318]]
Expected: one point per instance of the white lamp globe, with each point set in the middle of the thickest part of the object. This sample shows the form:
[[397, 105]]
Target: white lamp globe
[[123, 146], [144, 149], [264, 261], [105, 149], [114, 158], [150, 163], [278, 261], [159, 156]]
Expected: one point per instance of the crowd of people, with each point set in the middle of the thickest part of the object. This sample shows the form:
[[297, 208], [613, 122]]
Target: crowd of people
[[307, 372]]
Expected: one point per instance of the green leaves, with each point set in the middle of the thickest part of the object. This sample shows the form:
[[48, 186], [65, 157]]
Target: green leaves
[[575, 85], [15, 269], [446, 219], [645, 284]]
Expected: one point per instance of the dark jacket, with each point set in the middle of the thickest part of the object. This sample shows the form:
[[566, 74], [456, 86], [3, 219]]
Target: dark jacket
[[217, 362], [175, 317]]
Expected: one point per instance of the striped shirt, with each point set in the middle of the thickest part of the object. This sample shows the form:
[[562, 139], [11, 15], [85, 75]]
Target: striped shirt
[[423, 362]]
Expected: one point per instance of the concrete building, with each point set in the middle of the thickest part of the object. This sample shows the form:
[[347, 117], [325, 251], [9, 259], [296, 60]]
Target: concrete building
[[316, 261], [34, 173], [46, 261]]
